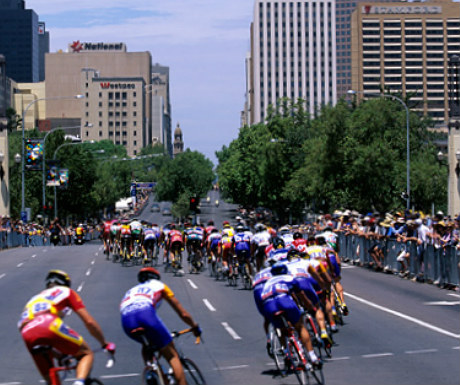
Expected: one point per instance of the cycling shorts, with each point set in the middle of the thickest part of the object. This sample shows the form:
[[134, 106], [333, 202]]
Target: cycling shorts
[[258, 289], [335, 266], [226, 243], [315, 285], [283, 303], [49, 330], [306, 286], [146, 317], [214, 244], [149, 243]]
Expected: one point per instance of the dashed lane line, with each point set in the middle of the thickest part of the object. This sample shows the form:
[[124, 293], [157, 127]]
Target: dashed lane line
[[192, 284], [230, 331], [80, 288], [404, 316], [376, 355], [421, 351], [93, 262], [1, 276], [20, 264], [88, 272], [208, 305], [34, 255]]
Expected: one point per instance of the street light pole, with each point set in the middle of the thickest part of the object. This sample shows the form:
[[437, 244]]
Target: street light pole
[[23, 179], [352, 92]]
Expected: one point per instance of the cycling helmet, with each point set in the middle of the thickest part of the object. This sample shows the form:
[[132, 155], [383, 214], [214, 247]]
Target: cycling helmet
[[279, 269], [172, 226], [226, 223], [147, 273], [58, 277], [278, 243], [297, 235], [214, 230], [320, 239], [284, 230], [211, 223], [239, 228], [259, 227]]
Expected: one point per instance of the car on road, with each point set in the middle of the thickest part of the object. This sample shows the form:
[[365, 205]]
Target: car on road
[[166, 211], [155, 208]]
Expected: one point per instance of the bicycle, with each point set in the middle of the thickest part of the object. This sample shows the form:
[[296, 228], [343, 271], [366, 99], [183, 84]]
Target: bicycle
[[62, 365], [154, 372], [338, 306], [318, 343], [290, 356], [233, 270], [245, 271]]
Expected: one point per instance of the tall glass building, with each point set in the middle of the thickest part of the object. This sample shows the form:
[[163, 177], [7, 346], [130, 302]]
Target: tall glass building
[[19, 41]]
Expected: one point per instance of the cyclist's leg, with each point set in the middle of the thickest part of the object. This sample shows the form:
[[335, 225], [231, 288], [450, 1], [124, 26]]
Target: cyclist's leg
[[171, 355]]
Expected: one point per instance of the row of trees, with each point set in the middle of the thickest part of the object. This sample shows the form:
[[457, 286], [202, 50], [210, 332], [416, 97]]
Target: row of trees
[[348, 156], [100, 174]]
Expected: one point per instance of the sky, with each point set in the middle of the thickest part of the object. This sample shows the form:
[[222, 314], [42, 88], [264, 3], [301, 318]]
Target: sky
[[203, 42]]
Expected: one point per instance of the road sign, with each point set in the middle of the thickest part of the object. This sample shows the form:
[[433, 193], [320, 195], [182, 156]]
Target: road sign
[[24, 216]]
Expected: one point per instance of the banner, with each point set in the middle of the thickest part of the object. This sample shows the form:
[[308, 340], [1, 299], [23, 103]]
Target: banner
[[52, 177], [63, 177], [34, 154]]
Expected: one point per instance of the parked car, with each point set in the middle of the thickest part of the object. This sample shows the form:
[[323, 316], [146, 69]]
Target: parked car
[[166, 211], [155, 208]]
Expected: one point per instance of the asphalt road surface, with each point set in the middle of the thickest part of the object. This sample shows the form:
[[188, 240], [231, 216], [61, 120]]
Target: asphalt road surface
[[397, 332]]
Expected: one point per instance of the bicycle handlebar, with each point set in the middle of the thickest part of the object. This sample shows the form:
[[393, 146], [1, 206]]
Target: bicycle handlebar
[[176, 334]]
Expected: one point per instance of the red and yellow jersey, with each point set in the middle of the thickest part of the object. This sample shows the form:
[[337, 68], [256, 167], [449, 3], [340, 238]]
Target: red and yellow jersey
[[55, 300], [147, 294], [174, 236]]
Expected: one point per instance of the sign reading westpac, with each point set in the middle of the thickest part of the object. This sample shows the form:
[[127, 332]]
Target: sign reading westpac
[[406, 9], [78, 46], [118, 86]]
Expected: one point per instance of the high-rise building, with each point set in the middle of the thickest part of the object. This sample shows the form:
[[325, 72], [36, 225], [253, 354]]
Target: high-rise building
[[405, 47], [20, 41], [44, 48], [344, 9], [161, 108], [293, 55]]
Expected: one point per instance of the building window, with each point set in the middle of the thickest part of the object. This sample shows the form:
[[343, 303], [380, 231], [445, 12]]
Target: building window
[[87, 133], [100, 94], [100, 124], [100, 114], [134, 104], [124, 95], [135, 143], [110, 96], [134, 113], [134, 133], [100, 133], [100, 104], [134, 123]]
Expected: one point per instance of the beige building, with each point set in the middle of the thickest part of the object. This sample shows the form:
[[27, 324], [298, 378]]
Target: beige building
[[65, 77], [114, 109], [23, 95], [405, 47]]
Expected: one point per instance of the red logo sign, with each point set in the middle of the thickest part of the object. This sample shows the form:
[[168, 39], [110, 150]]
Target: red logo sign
[[76, 46], [367, 9], [105, 85]]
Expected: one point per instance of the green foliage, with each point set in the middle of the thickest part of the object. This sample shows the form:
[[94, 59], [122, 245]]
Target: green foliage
[[346, 156], [189, 172]]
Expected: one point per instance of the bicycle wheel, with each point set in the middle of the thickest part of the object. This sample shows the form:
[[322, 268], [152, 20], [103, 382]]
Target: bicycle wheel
[[297, 358], [317, 374], [312, 329], [192, 372], [150, 377], [93, 381], [277, 350]]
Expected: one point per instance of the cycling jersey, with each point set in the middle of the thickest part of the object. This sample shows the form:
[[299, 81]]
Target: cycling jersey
[[149, 234], [196, 233], [298, 268], [175, 236], [213, 240], [125, 230], [300, 244], [241, 242], [261, 239], [107, 226], [138, 309], [288, 238], [227, 235]]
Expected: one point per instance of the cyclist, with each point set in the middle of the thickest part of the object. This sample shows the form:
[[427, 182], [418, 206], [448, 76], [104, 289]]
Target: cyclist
[[299, 243], [125, 238], [149, 240], [106, 235], [41, 324], [136, 233], [277, 295], [241, 246], [207, 231], [259, 242], [175, 244], [187, 231], [226, 244], [114, 228], [138, 310], [195, 237], [212, 242], [286, 234]]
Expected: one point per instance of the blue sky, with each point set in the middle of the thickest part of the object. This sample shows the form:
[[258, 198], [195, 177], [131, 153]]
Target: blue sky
[[204, 43]]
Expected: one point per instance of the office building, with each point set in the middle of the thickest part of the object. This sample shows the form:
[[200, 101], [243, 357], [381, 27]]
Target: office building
[[82, 70], [161, 107], [344, 9], [21, 41], [114, 109], [405, 48], [293, 55]]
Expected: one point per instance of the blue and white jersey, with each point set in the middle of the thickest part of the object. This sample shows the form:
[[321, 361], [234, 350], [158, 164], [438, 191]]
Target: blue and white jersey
[[299, 268], [279, 285], [242, 242], [261, 239], [288, 238], [149, 233], [262, 276]]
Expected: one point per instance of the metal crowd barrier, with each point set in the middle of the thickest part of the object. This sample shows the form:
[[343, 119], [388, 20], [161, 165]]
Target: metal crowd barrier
[[10, 239], [427, 262]]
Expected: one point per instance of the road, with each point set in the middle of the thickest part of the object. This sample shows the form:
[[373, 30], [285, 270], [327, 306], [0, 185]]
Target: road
[[398, 332]]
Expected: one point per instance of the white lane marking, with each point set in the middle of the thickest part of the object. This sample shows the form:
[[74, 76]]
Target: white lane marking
[[33, 256], [233, 367], [10, 383], [208, 305], [230, 331], [20, 264], [96, 254], [93, 262], [80, 288], [1, 276], [192, 284], [377, 355], [454, 295], [120, 375], [456, 348], [421, 351], [338, 358], [88, 272], [442, 303], [404, 316]]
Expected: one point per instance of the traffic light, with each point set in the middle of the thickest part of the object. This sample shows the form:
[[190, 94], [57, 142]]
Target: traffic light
[[193, 205]]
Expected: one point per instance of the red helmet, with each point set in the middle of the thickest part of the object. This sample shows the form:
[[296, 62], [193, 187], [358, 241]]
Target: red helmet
[[147, 273], [225, 223]]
